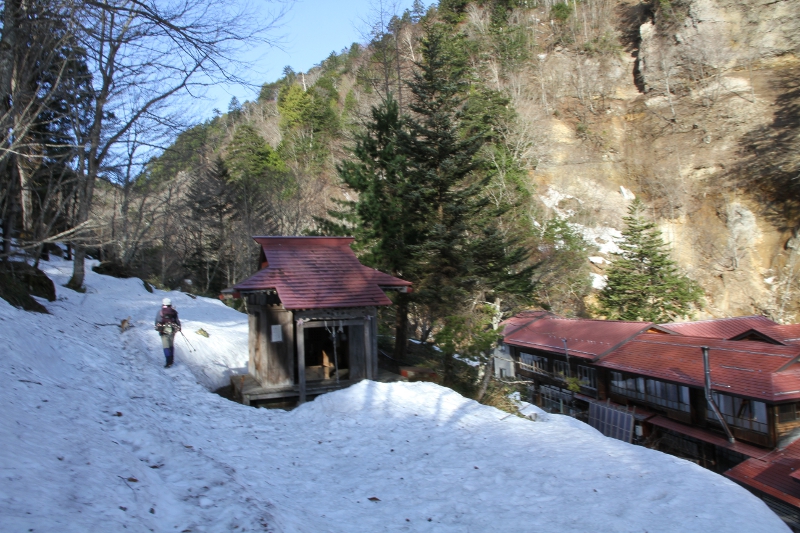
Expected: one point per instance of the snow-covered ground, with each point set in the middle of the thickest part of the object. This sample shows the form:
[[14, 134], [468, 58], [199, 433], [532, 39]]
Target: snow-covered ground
[[96, 436]]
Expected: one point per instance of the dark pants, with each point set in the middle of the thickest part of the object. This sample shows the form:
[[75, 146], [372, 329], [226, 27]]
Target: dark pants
[[169, 350]]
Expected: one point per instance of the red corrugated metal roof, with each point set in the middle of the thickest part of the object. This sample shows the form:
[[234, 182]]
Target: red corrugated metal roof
[[744, 368], [318, 273], [790, 333], [719, 328], [774, 474], [770, 478], [784, 334], [707, 436], [523, 318], [589, 339]]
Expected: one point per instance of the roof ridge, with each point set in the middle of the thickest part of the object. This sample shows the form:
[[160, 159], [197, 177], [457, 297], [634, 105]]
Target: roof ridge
[[577, 319], [714, 320], [735, 346]]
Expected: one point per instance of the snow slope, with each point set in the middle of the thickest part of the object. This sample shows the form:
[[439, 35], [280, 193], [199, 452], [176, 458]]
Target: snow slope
[[96, 436]]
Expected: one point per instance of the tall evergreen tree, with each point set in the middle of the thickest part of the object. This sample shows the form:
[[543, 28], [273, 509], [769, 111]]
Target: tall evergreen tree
[[211, 206], [385, 224], [445, 189], [421, 212], [643, 282]]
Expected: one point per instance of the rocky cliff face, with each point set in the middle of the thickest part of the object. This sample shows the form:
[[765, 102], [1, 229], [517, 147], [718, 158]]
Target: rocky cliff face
[[699, 117]]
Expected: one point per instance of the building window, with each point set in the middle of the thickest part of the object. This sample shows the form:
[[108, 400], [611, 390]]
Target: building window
[[587, 377], [667, 395], [740, 412], [560, 369], [787, 412], [555, 399], [533, 363]]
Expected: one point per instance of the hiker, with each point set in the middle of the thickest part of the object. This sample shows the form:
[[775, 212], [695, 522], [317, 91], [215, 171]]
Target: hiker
[[167, 325]]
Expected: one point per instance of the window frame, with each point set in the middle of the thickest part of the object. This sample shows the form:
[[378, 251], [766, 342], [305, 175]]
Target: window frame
[[733, 407], [557, 373], [538, 364], [587, 377], [652, 391]]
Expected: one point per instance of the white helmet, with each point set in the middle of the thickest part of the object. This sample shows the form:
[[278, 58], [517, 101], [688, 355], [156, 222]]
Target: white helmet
[[166, 301]]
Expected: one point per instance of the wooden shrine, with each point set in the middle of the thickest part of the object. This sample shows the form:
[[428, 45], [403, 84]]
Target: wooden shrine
[[312, 318]]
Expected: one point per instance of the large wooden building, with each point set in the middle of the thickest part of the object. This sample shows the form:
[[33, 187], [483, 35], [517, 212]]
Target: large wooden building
[[312, 318], [723, 393]]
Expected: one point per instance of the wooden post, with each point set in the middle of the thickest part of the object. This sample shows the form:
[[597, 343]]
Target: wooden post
[[373, 328], [263, 344], [252, 339], [301, 362], [369, 355]]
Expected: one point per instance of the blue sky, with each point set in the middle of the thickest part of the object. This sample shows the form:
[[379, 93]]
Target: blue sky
[[310, 31]]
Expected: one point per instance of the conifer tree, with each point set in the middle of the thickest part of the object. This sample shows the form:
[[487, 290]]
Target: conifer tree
[[386, 226], [421, 213], [643, 282]]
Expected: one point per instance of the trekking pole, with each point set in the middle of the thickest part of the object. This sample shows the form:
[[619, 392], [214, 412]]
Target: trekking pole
[[187, 342]]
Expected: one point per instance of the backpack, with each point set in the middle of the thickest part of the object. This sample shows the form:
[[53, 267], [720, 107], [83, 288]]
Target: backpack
[[168, 320]]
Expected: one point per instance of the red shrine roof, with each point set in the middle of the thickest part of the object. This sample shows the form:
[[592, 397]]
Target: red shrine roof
[[317, 273], [589, 339], [719, 328], [745, 368]]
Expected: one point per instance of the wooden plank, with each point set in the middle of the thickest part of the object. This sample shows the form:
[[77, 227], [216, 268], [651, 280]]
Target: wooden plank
[[323, 323], [271, 395], [280, 370], [263, 341], [252, 324], [301, 362], [333, 314]]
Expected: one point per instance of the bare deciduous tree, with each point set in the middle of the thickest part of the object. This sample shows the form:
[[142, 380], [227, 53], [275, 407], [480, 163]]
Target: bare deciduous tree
[[144, 55]]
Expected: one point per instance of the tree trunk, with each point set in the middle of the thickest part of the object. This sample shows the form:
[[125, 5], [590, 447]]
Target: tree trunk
[[85, 194], [488, 370], [448, 362], [9, 211], [401, 327], [8, 47], [78, 268]]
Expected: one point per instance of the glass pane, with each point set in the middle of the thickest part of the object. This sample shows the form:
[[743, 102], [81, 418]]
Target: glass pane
[[760, 412], [685, 395], [726, 405], [672, 392]]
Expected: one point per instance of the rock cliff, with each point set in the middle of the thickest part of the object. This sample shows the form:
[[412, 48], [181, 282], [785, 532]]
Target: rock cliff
[[699, 116]]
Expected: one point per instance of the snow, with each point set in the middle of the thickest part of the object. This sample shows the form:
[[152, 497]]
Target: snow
[[552, 198], [626, 193], [599, 281], [97, 436], [604, 238]]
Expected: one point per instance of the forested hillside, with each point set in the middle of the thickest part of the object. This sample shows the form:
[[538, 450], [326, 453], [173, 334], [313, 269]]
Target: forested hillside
[[487, 151]]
